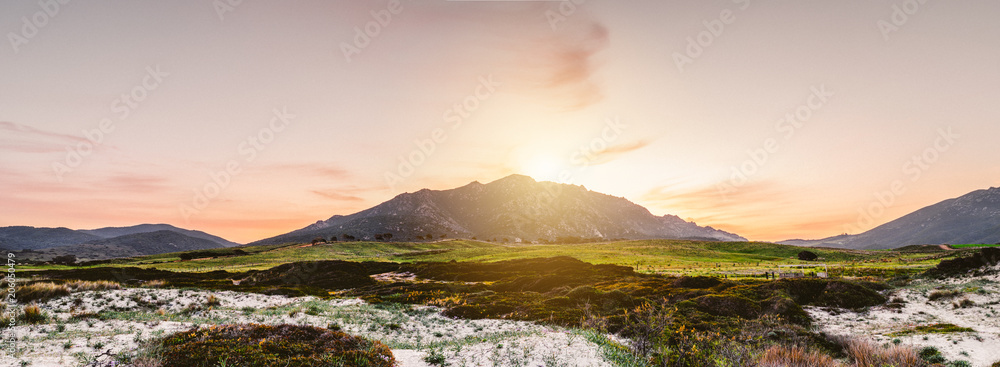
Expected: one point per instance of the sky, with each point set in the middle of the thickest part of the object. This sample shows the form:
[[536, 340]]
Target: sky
[[248, 119]]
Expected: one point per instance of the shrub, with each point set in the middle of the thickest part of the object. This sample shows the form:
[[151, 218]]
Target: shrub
[[583, 292], [270, 346], [807, 256], [932, 355], [785, 356], [996, 364], [41, 292], [158, 283], [87, 285], [726, 305], [964, 303], [33, 314], [936, 295], [212, 301]]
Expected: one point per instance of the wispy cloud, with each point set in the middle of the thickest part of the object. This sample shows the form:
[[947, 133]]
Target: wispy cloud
[[337, 196], [21, 138], [615, 151], [323, 170]]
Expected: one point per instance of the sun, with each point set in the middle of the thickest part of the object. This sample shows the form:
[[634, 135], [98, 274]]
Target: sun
[[543, 166]]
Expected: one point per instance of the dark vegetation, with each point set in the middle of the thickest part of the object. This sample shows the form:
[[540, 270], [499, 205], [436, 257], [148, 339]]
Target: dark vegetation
[[214, 253], [269, 346], [807, 256], [974, 262]]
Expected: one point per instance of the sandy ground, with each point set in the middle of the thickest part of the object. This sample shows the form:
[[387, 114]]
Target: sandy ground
[[413, 332], [980, 347]]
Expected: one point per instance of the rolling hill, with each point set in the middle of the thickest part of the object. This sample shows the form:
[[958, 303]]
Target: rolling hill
[[973, 218], [31, 238], [135, 244], [109, 232], [515, 208]]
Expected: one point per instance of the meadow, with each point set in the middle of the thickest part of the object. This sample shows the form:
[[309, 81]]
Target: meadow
[[673, 257], [621, 303]]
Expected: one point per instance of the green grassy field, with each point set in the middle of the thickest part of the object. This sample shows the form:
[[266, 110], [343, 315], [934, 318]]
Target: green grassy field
[[659, 256], [975, 246]]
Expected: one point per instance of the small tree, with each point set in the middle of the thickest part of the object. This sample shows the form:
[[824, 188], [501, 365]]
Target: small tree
[[65, 259], [807, 256]]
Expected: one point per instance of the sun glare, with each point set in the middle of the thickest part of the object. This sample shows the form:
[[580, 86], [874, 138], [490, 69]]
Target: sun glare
[[542, 167]]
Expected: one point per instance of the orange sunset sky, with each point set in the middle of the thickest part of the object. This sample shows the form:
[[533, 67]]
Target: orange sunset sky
[[770, 119]]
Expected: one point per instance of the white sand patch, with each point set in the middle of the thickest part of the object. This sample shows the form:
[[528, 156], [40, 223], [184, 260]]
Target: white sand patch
[[981, 347], [92, 328]]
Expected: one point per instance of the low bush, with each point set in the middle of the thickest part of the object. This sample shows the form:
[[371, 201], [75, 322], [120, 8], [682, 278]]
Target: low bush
[[269, 346], [932, 355], [33, 314], [936, 295], [97, 285], [964, 303], [41, 292], [156, 283], [726, 305], [794, 356]]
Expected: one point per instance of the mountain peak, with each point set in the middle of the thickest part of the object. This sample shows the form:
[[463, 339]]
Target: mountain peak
[[516, 179]]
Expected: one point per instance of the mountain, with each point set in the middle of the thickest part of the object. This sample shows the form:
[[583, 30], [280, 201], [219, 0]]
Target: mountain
[[24, 237], [135, 244], [109, 232], [973, 218], [515, 207], [33, 238]]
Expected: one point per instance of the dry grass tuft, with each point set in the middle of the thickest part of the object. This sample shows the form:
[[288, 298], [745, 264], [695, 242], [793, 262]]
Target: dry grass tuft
[[212, 301], [936, 295], [867, 354], [784, 356], [87, 285], [41, 292], [33, 314], [158, 283]]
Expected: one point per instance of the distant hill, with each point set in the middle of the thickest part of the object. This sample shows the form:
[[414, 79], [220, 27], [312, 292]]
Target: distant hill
[[109, 232], [136, 244], [973, 218], [516, 208], [24, 237], [105, 243]]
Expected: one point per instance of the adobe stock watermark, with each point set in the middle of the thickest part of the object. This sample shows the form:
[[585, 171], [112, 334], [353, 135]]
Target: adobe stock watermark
[[10, 313], [247, 150], [363, 35], [30, 26], [899, 17], [121, 108], [697, 44], [565, 9], [913, 169], [223, 7], [454, 118], [786, 127], [587, 153]]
